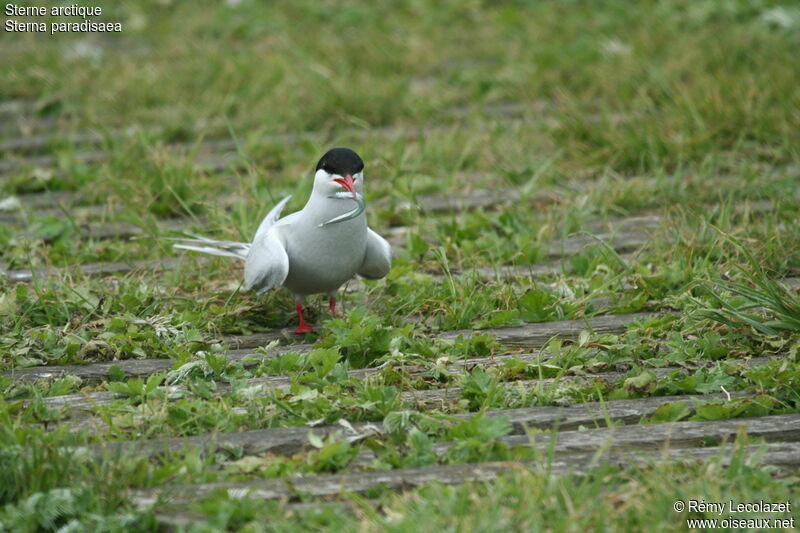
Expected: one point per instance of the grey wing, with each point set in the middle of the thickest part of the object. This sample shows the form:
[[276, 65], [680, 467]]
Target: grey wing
[[377, 258], [267, 263], [288, 219], [272, 217]]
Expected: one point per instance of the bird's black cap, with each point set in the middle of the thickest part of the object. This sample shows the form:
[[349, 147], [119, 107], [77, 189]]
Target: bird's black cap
[[341, 161]]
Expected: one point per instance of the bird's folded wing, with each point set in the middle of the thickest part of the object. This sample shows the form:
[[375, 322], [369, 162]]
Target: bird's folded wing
[[377, 258], [272, 217], [267, 264]]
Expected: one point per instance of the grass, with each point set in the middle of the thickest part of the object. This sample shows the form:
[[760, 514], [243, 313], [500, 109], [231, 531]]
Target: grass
[[524, 501], [757, 292], [680, 110]]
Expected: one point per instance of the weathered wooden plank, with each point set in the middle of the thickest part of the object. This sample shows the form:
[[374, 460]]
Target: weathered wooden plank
[[201, 160], [256, 340], [35, 142], [625, 241], [433, 398], [504, 272], [643, 436], [290, 440], [82, 404], [484, 198], [49, 199], [627, 232], [530, 335], [16, 106], [136, 367], [39, 141], [572, 417], [98, 269], [619, 237], [10, 164], [775, 428], [401, 479], [431, 203], [622, 242], [392, 131], [27, 125], [180, 520], [487, 198], [92, 371], [446, 203], [87, 401], [13, 164], [123, 230], [55, 203], [75, 212]]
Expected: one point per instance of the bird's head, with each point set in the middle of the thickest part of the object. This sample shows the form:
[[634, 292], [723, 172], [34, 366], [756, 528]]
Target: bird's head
[[339, 170]]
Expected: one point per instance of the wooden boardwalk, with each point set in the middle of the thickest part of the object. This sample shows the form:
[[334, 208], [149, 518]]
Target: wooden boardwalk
[[562, 439]]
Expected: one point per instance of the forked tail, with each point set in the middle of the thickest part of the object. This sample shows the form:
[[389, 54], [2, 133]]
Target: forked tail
[[239, 250]]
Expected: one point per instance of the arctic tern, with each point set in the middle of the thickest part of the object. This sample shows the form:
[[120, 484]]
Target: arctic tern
[[317, 249]]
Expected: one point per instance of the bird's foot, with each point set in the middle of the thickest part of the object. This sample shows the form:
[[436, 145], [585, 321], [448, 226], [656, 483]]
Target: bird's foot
[[302, 329]]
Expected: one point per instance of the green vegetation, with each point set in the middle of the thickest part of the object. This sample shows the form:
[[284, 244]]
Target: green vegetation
[[681, 113]]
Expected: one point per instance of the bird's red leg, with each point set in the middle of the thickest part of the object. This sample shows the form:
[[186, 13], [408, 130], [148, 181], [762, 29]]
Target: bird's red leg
[[303, 327], [332, 305]]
